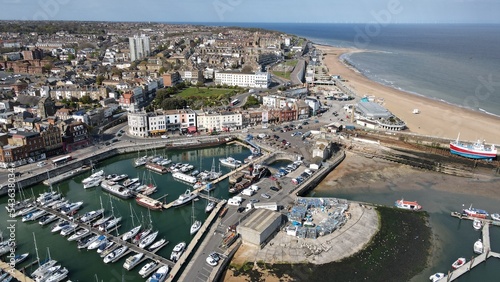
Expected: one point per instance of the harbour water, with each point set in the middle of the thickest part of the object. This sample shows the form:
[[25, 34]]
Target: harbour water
[[173, 224], [452, 238]]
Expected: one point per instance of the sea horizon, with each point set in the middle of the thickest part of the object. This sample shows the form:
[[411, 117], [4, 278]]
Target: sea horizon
[[431, 60]]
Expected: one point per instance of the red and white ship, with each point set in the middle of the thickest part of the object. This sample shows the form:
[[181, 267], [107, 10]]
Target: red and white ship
[[149, 203], [474, 151], [473, 212], [407, 205]]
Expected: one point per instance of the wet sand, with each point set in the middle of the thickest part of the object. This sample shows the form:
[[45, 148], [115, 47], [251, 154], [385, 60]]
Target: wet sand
[[436, 118]]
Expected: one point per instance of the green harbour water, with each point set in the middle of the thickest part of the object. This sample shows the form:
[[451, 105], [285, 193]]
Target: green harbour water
[[173, 223]]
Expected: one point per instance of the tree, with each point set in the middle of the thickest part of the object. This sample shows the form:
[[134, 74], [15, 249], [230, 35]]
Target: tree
[[99, 79], [86, 100], [247, 69]]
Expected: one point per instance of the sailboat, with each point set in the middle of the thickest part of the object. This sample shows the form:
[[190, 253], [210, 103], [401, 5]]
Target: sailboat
[[145, 232], [102, 219], [210, 204], [132, 232], [112, 223], [195, 224], [42, 268]]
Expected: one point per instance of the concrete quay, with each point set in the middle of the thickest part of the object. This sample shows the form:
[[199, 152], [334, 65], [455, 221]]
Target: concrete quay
[[14, 272]]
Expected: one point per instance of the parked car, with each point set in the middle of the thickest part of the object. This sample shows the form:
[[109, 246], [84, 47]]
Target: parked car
[[266, 196], [40, 164], [274, 188], [164, 136]]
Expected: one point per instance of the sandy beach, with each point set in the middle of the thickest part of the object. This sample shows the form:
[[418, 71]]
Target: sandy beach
[[436, 118]]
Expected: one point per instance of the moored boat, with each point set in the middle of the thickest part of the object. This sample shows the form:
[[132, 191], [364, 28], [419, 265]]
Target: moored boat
[[185, 198], [477, 224], [495, 216], [184, 177], [458, 263], [160, 275], [132, 261], [96, 242], [177, 251], [436, 277], [210, 206], [148, 267], [473, 212], [91, 215], [46, 219], [131, 233], [478, 247], [156, 244], [407, 205], [148, 240], [149, 203], [20, 258], [118, 190], [230, 162], [111, 257]]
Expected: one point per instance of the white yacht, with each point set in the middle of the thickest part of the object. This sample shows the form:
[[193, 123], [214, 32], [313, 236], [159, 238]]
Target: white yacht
[[71, 208], [131, 233], [105, 246], [185, 198], [210, 206], [160, 275], [59, 275], [97, 241], [79, 234], [230, 162], [156, 244], [111, 257], [195, 227], [148, 240], [110, 224], [91, 215], [92, 183], [93, 176], [147, 268], [132, 261], [177, 251], [478, 247]]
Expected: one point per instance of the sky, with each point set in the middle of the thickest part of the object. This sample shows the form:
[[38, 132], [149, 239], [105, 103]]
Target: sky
[[285, 11]]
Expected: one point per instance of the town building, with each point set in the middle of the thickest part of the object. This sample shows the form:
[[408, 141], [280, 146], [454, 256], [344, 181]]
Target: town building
[[139, 47], [215, 121], [138, 123], [374, 116], [258, 227], [243, 79]]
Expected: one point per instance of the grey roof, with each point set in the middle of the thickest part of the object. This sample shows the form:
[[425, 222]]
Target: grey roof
[[260, 220], [373, 110]]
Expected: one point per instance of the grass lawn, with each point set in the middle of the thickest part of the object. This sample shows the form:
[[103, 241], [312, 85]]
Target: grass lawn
[[291, 63], [282, 74], [203, 91]]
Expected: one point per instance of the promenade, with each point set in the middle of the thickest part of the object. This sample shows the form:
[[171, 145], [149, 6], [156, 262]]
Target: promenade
[[14, 272]]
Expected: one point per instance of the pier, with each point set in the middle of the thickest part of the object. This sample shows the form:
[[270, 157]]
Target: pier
[[66, 175], [118, 241], [475, 261], [14, 272], [192, 245]]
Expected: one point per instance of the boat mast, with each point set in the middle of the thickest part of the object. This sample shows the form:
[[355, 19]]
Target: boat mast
[[36, 250], [131, 215]]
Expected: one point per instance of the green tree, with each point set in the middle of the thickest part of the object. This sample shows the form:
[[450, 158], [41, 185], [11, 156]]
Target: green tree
[[86, 100], [99, 79]]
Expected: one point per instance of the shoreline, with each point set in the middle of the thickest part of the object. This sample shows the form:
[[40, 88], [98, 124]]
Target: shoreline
[[437, 118]]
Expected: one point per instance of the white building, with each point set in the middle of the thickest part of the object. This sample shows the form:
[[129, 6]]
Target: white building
[[138, 123], [139, 47], [172, 120], [243, 79], [218, 121]]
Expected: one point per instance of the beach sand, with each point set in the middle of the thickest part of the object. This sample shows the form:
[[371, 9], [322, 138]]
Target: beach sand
[[436, 118]]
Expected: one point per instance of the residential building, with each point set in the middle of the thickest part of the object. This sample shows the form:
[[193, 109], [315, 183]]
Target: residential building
[[171, 79], [138, 123], [243, 79], [209, 121], [75, 136], [139, 47]]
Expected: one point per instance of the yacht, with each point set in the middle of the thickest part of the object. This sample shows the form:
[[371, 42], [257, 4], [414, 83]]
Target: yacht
[[68, 229], [116, 178], [91, 215], [92, 183], [105, 227], [141, 161], [147, 268], [478, 247], [111, 257], [85, 242], [184, 177], [132, 261], [130, 181], [79, 234], [141, 236], [102, 220], [177, 251], [34, 215], [185, 198], [195, 227], [20, 258], [160, 275], [24, 211], [105, 246], [59, 225], [97, 241], [118, 190], [148, 240], [93, 176], [48, 272], [46, 198], [43, 268], [59, 275], [210, 206], [131, 233], [71, 208], [230, 162], [156, 245], [46, 219]]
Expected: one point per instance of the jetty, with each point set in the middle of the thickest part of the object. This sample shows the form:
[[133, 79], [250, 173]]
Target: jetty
[[65, 176], [475, 261], [118, 241], [14, 272]]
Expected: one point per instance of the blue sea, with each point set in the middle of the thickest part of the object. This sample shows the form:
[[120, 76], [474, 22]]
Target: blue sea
[[455, 63]]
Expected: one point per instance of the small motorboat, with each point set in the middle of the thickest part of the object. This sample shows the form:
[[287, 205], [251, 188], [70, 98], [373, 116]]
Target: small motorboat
[[436, 277], [495, 216], [478, 247], [458, 263], [147, 268], [477, 224], [20, 258]]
